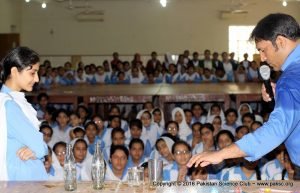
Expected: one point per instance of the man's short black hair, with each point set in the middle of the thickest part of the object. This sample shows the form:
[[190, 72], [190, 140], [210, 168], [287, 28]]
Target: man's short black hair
[[274, 25]]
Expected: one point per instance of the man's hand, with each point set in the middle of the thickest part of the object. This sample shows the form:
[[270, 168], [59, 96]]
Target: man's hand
[[265, 95], [215, 157], [205, 159], [26, 154]]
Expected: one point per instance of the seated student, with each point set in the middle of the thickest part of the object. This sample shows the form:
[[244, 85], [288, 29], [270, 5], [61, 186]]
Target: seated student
[[230, 120], [172, 128], [241, 74], [196, 135], [136, 153], [191, 76], [198, 173], [159, 74], [42, 105], [83, 159], [116, 169], [246, 108], [77, 132], [62, 131], [217, 123], [114, 122], [75, 120], [221, 76], [163, 149], [100, 76], [91, 76], [83, 113], [136, 77], [248, 119], [223, 139], [150, 131], [146, 171], [172, 76], [208, 76], [253, 72], [60, 151], [245, 171], [184, 130], [91, 136], [49, 116], [121, 79], [198, 113], [48, 164], [207, 136], [58, 159], [276, 168], [117, 138], [54, 77], [255, 125], [46, 80], [150, 79], [214, 110], [100, 124], [80, 77], [115, 111], [181, 69], [147, 106], [54, 170], [47, 132], [158, 118], [240, 131], [188, 117], [135, 132], [177, 171]]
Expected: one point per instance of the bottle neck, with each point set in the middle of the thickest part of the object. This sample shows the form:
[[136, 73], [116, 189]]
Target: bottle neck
[[69, 153], [98, 149]]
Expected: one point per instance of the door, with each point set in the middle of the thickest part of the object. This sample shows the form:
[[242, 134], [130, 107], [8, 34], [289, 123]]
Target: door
[[7, 42]]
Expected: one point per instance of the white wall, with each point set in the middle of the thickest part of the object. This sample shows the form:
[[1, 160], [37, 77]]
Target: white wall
[[138, 26], [10, 15]]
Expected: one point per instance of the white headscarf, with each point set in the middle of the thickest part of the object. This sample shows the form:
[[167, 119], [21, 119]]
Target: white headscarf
[[184, 129], [30, 113], [239, 120], [169, 142], [210, 117], [86, 163], [59, 170], [162, 121], [140, 113]]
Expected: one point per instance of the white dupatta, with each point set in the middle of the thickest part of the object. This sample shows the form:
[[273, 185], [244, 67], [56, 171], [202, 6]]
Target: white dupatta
[[30, 113]]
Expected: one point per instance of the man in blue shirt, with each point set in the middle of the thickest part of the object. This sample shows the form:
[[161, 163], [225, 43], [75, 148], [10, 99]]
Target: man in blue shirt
[[276, 38]]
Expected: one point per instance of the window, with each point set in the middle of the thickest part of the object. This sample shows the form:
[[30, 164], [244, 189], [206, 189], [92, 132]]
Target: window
[[239, 42]]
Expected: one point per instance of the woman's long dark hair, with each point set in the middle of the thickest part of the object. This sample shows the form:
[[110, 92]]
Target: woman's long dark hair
[[20, 57]]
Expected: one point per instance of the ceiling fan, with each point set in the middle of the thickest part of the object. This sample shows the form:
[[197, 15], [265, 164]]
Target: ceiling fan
[[84, 5], [237, 7]]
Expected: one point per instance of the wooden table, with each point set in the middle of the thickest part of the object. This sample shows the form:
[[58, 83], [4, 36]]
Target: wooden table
[[165, 187]]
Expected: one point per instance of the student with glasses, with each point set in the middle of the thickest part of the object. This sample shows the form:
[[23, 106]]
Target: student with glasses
[[177, 171]]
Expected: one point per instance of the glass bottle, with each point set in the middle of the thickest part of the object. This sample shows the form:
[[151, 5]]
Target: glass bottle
[[70, 170], [98, 168]]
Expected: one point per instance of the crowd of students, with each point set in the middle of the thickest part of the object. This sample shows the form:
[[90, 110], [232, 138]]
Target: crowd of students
[[187, 69], [128, 143]]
